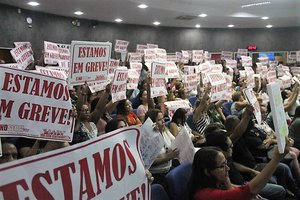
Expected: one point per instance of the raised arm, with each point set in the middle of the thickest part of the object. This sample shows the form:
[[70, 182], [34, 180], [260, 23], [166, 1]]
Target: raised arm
[[203, 105]]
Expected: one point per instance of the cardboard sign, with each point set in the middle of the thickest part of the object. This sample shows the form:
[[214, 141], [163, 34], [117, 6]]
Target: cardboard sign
[[172, 58], [242, 52], [262, 71], [172, 70], [246, 61], [51, 54], [107, 167], [22, 54], [97, 86], [135, 57], [278, 115], [174, 105], [152, 46], [250, 78], [140, 48], [34, 106], [11, 65], [184, 57], [149, 55], [252, 100], [52, 73], [219, 86], [231, 63], [89, 62], [226, 55], [158, 87], [271, 76], [190, 82], [136, 66], [121, 46], [119, 84], [197, 56], [217, 68], [158, 70], [133, 79]]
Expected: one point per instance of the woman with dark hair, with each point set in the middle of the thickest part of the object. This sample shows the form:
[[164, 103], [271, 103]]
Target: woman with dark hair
[[115, 124], [210, 180], [143, 105], [124, 111], [179, 121], [295, 127], [163, 162]]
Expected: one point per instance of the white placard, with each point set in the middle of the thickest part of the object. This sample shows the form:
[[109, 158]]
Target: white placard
[[34, 106], [242, 52], [226, 55], [119, 84], [135, 57], [250, 79], [174, 105], [197, 56], [252, 100], [172, 58], [23, 55], [50, 72], [140, 48], [216, 68], [89, 62], [158, 70], [121, 46], [11, 65], [278, 115], [172, 70], [184, 57], [246, 61], [158, 87], [190, 82], [271, 76], [51, 53], [133, 79], [149, 55], [152, 46], [107, 167]]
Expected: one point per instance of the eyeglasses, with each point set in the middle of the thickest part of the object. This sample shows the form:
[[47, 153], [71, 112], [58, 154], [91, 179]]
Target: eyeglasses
[[222, 165]]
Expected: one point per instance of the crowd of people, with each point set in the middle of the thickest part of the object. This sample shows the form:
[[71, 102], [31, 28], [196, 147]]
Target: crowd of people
[[238, 158]]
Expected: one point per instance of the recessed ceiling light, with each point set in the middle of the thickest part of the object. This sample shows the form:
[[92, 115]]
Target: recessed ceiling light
[[33, 3], [203, 15], [156, 23], [197, 26], [118, 20], [265, 18], [255, 4], [78, 12], [142, 6], [269, 26], [230, 26]]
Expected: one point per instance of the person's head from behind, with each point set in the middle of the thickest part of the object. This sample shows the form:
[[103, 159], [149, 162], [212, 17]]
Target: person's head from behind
[[231, 122], [209, 169], [297, 112], [182, 94], [219, 138], [157, 117], [9, 152], [115, 124], [213, 127], [179, 116], [124, 106], [237, 96]]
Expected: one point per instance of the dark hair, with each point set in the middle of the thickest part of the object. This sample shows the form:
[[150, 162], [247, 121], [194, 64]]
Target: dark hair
[[230, 122], [204, 159], [236, 96], [180, 92], [217, 138], [213, 127], [113, 124], [297, 113], [179, 117], [284, 95], [140, 96], [152, 114], [121, 107]]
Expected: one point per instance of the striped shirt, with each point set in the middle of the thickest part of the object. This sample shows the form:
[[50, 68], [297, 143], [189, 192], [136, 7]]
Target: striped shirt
[[201, 123]]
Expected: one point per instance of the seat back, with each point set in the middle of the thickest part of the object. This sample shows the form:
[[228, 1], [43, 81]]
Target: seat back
[[226, 107], [193, 100], [158, 192], [177, 181]]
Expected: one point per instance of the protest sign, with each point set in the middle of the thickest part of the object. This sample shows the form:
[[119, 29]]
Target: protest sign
[[292, 58], [231, 63], [271, 76], [64, 46], [95, 169], [133, 79], [51, 53], [51, 72], [250, 79], [11, 65], [278, 115], [216, 68], [136, 66], [121, 46], [262, 71], [22, 54], [89, 61], [184, 57], [34, 106], [207, 55], [96, 86], [219, 86], [286, 81], [242, 52], [63, 69], [158, 70], [184, 144], [252, 100], [197, 56], [295, 70], [161, 55], [264, 60], [179, 56], [190, 81], [158, 87], [298, 56], [171, 70], [135, 57], [172, 58], [246, 61], [149, 55], [140, 48], [113, 65], [226, 55], [151, 143], [280, 71], [152, 46], [119, 84], [174, 105]]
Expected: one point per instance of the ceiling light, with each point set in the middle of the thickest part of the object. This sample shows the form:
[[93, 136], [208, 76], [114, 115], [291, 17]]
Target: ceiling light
[[203, 15], [230, 26], [265, 18], [78, 13], [33, 3], [269, 26], [142, 6], [118, 20], [256, 4], [197, 26], [156, 23]]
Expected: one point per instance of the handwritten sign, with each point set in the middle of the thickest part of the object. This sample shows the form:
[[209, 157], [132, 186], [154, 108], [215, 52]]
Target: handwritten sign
[[158, 70], [158, 87], [22, 54], [252, 100], [133, 79], [51, 53], [197, 56], [119, 84]]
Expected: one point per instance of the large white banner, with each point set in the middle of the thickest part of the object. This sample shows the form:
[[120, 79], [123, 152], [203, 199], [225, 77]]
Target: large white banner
[[89, 61], [107, 167], [34, 106]]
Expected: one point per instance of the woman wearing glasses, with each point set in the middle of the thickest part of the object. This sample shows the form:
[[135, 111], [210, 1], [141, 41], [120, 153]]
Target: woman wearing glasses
[[210, 178]]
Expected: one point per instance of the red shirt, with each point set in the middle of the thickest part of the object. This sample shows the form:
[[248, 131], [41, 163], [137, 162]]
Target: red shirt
[[131, 118], [237, 193]]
